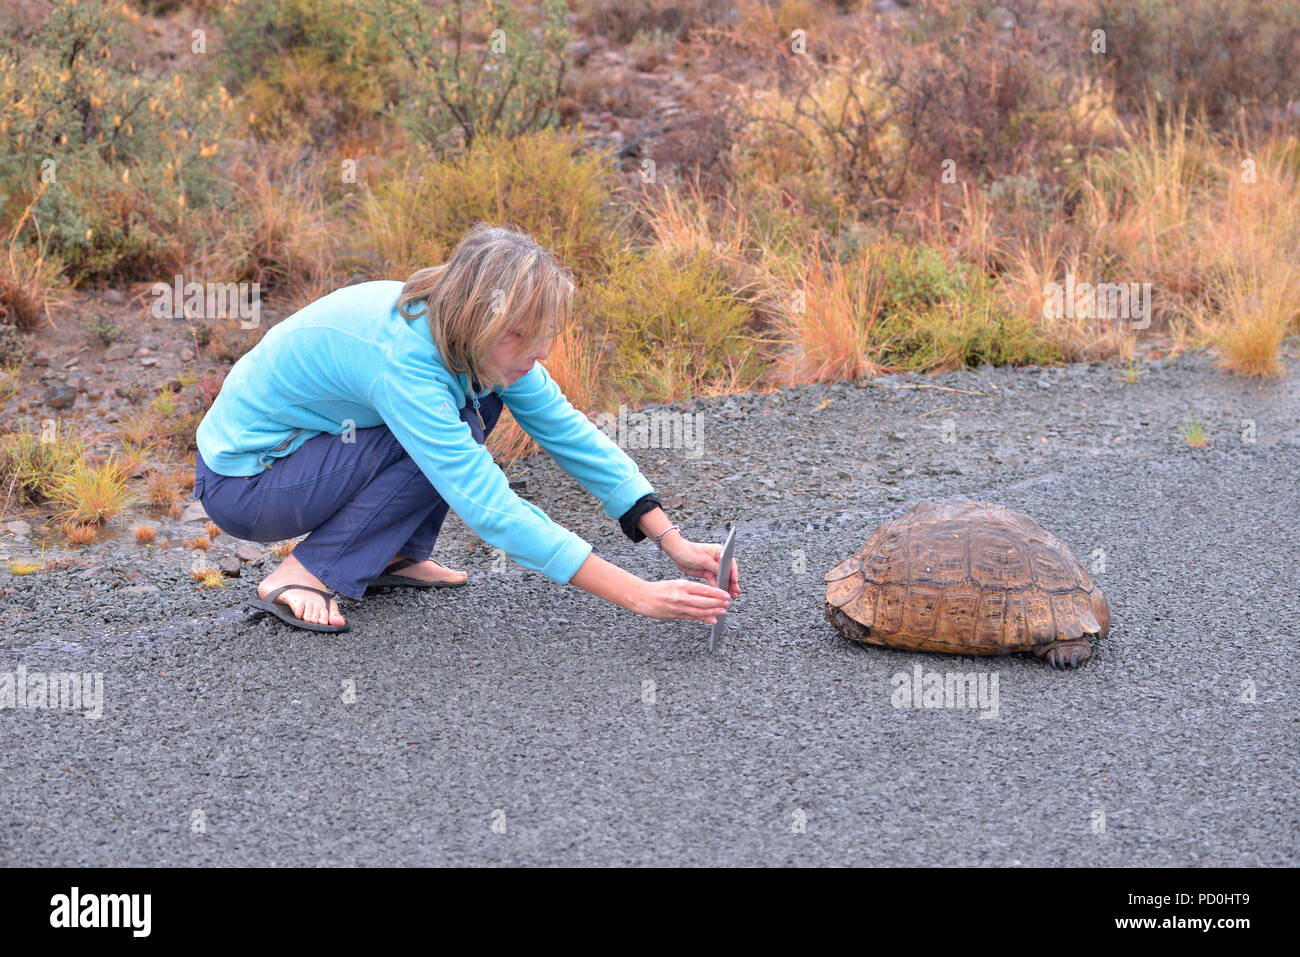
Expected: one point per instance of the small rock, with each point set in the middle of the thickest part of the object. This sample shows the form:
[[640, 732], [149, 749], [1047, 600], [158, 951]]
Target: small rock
[[139, 589], [151, 342], [119, 350], [580, 50], [187, 355], [194, 512], [113, 296], [77, 382], [143, 351], [149, 361], [897, 436], [229, 566], [248, 553], [60, 396], [19, 527], [40, 359]]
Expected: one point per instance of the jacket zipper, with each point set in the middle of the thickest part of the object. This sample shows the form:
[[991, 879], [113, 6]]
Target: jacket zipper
[[474, 397], [261, 459]]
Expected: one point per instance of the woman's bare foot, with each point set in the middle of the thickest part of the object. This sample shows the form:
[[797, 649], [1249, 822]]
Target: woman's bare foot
[[430, 571], [305, 604]]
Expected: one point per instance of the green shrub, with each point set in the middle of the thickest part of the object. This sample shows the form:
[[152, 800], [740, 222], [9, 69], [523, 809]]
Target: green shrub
[[476, 67], [306, 70], [941, 314], [30, 470], [670, 325], [534, 182], [118, 158]]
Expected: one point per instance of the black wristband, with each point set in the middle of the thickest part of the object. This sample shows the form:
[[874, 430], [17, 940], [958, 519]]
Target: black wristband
[[629, 519]]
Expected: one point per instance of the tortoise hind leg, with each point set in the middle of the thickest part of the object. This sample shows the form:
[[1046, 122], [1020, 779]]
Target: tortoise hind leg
[[1069, 653]]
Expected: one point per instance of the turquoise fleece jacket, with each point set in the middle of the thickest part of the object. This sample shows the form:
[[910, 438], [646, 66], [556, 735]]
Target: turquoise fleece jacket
[[352, 359]]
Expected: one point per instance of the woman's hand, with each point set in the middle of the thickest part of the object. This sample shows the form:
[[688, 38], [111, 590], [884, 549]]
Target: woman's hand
[[700, 560], [679, 598], [668, 599]]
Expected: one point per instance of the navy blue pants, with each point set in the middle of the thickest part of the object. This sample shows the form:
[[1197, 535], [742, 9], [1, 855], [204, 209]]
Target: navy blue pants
[[362, 502]]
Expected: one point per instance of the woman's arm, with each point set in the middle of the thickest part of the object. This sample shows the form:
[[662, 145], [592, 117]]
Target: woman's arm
[[607, 581], [675, 599], [655, 521]]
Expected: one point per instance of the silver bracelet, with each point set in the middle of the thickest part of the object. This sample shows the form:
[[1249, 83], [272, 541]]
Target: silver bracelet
[[663, 533]]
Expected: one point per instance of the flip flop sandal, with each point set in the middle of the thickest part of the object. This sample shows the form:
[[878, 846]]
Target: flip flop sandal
[[285, 613], [389, 580]]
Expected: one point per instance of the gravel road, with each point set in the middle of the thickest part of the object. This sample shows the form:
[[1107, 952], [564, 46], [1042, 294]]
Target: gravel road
[[519, 722]]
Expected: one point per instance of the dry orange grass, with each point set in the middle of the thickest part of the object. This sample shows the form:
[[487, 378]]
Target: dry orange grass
[[1214, 227], [208, 577], [1034, 262], [80, 533], [278, 234], [138, 428], [199, 541], [978, 240], [29, 278], [683, 223], [397, 233], [283, 549], [1252, 264], [132, 457], [144, 534], [829, 320], [160, 489], [1257, 306], [212, 529]]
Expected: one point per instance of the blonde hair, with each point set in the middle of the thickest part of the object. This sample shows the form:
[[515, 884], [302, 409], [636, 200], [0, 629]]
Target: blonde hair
[[497, 279]]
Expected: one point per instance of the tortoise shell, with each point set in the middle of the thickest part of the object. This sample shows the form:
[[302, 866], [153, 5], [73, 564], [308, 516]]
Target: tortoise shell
[[970, 578]]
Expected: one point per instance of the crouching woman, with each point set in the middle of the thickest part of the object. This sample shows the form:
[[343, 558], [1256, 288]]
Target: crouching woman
[[360, 420]]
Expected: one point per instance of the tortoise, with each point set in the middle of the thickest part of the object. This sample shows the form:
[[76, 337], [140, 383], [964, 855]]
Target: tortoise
[[968, 578]]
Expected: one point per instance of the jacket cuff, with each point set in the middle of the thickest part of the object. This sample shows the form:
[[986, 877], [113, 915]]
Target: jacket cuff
[[633, 515]]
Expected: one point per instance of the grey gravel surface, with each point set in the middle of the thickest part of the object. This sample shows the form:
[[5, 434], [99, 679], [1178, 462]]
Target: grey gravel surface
[[516, 721]]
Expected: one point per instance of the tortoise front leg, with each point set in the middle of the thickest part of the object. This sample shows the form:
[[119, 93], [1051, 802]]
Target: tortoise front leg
[[1066, 654]]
